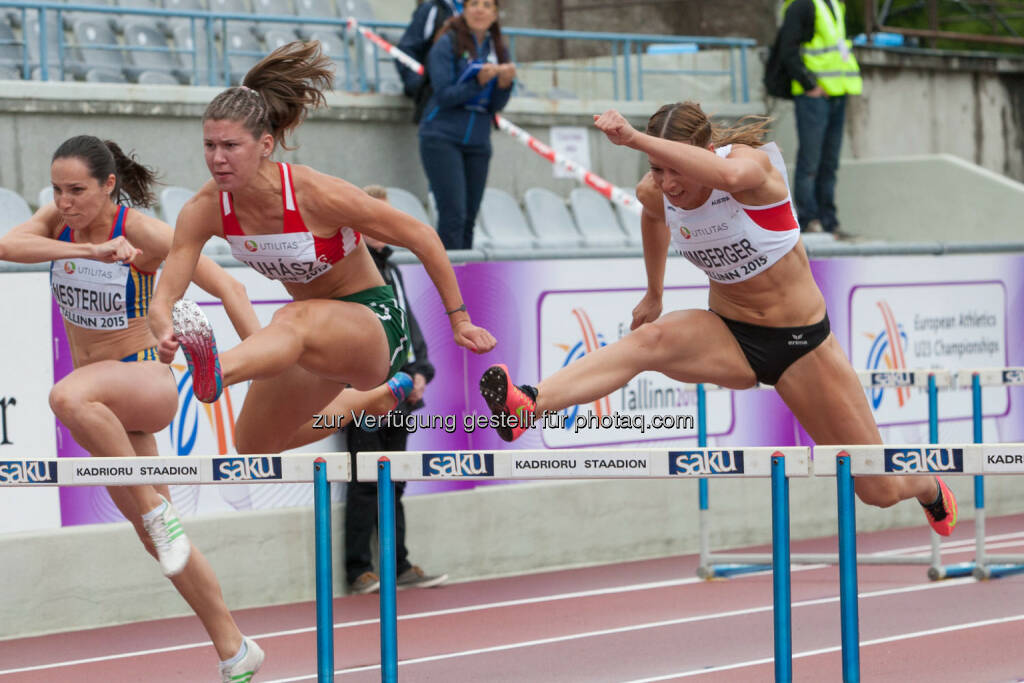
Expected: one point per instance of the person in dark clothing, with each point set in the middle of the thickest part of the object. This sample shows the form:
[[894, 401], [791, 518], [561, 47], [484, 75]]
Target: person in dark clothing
[[815, 54], [427, 20], [471, 79], [361, 501]]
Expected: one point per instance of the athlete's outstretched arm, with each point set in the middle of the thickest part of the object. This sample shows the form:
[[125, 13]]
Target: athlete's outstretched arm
[[33, 242], [349, 205], [655, 240], [190, 234], [737, 173]]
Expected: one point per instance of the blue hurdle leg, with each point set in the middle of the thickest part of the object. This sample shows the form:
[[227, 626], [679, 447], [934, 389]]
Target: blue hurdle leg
[[324, 584], [848, 571], [781, 572], [388, 578]]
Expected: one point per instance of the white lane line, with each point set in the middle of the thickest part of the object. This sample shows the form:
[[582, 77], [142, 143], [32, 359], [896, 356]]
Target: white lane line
[[836, 648], [631, 628]]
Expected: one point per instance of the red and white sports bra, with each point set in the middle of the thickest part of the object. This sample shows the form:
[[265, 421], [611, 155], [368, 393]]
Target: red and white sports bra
[[295, 254], [730, 241]]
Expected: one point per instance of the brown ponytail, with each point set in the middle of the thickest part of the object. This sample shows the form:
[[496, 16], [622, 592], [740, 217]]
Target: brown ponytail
[[278, 91]]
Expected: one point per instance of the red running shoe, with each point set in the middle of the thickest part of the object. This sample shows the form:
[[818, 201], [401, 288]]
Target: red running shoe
[[514, 406], [195, 334], [944, 526]]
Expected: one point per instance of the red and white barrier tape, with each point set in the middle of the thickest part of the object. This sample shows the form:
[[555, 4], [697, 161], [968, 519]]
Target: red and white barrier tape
[[612, 192]]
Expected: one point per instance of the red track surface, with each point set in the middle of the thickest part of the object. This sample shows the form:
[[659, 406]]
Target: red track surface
[[649, 620]]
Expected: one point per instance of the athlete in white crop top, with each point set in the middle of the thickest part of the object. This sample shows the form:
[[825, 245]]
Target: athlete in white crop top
[[292, 223], [721, 198]]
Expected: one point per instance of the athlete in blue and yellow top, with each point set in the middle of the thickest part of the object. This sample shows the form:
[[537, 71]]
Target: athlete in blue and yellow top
[[721, 197], [104, 260]]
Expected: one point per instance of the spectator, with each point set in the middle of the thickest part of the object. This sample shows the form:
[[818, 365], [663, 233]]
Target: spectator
[[361, 502], [815, 53], [420, 34], [471, 79]]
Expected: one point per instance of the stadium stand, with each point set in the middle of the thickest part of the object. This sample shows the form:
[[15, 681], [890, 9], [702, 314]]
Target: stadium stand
[[172, 24], [196, 66], [140, 32], [551, 220], [10, 47], [99, 50], [596, 219], [72, 58], [504, 222], [278, 36], [13, 210], [171, 200], [243, 51]]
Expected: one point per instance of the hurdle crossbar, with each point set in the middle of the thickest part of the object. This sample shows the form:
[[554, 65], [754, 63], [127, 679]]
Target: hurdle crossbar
[[722, 565], [315, 468], [847, 462], [777, 463]]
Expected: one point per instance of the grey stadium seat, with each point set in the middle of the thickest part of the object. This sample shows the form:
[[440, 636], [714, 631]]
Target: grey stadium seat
[[171, 24], [171, 200], [10, 51], [334, 47], [278, 36], [143, 34], [231, 7], [197, 74], [72, 18], [103, 75], [504, 222], [407, 202], [550, 219], [13, 210], [157, 78], [45, 195], [316, 9], [596, 219], [72, 57], [241, 40], [630, 223], [94, 38]]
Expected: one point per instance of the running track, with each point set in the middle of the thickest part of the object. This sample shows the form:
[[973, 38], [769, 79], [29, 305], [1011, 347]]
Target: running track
[[634, 621]]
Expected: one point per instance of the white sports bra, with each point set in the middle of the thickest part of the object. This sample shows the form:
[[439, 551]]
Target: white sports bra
[[730, 241]]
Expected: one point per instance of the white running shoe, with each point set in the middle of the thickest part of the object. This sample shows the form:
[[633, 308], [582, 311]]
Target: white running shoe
[[244, 669], [195, 334], [172, 545]]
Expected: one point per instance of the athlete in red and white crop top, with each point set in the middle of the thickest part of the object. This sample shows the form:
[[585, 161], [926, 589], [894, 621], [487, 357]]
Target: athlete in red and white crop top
[[295, 254], [731, 241]]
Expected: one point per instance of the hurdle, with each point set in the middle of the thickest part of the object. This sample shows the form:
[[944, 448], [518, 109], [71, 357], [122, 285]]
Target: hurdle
[[779, 464], [985, 566], [320, 469], [723, 565], [847, 462]]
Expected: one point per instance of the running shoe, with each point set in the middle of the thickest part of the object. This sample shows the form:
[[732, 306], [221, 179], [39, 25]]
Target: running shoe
[[415, 577], [400, 386], [245, 668], [368, 582], [195, 334], [946, 503], [514, 405], [172, 545]]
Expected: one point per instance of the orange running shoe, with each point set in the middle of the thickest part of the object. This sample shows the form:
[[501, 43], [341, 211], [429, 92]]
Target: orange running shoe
[[947, 501], [514, 406]]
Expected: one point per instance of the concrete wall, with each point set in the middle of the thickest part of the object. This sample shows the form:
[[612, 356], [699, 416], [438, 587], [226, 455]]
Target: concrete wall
[[91, 576]]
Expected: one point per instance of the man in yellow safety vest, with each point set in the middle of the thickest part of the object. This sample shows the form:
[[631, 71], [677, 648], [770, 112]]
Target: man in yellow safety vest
[[815, 53]]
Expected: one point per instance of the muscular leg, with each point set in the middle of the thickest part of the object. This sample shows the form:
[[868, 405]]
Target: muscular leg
[[688, 346], [102, 402], [276, 409], [197, 582], [825, 395], [338, 340]]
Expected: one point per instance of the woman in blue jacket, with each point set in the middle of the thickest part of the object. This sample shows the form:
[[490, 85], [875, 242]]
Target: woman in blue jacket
[[472, 80]]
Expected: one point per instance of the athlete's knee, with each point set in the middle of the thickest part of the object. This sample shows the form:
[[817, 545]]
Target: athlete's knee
[[64, 399], [649, 340], [880, 492], [293, 314]]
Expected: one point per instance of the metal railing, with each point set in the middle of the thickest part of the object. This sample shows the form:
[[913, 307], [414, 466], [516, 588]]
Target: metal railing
[[360, 59]]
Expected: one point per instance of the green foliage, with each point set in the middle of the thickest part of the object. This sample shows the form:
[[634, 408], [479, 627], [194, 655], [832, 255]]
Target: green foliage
[[980, 17]]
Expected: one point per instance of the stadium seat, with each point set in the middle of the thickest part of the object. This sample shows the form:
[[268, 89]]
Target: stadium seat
[[550, 219], [360, 9], [9, 73], [10, 49], [630, 223], [45, 196], [171, 24], [406, 201], [231, 7], [102, 74], [215, 246], [95, 38], [72, 18], [139, 32], [13, 210], [316, 9], [278, 36], [243, 51], [198, 74], [122, 20], [157, 78], [504, 222], [171, 200], [596, 219], [332, 45], [72, 57]]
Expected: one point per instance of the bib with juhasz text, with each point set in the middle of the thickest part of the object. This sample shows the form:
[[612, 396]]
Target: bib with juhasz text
[[290, 257], [90, 294]]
